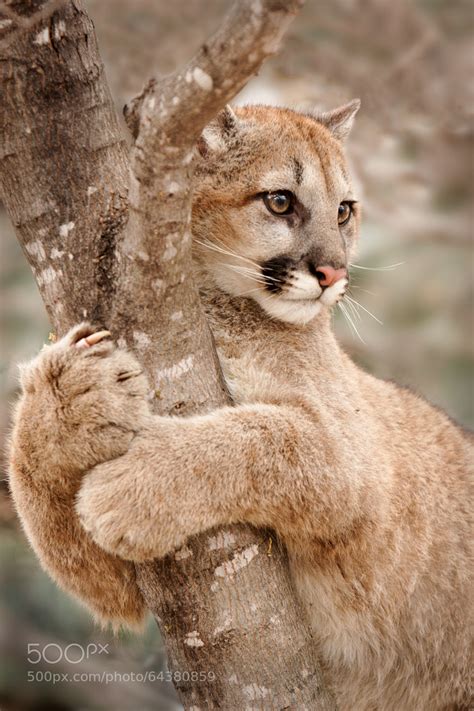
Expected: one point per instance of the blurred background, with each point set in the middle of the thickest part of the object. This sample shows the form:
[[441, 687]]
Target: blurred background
[[410, 62]]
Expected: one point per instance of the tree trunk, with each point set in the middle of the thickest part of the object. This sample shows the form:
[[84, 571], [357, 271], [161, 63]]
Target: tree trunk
[[108, 239]]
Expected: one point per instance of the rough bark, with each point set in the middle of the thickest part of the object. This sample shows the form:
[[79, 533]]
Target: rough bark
[[108, 239]]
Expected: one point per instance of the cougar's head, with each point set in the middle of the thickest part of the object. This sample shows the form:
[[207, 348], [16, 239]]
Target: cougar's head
[[275, 217]]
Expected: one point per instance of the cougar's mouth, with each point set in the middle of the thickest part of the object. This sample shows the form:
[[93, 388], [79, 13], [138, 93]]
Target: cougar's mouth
[[300, 298]]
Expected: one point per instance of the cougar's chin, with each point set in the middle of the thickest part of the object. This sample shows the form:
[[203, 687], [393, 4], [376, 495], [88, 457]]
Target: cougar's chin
[[298, 312]]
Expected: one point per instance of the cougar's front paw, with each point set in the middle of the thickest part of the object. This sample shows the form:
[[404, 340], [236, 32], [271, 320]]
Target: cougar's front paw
[[110, 510], [86, 396]]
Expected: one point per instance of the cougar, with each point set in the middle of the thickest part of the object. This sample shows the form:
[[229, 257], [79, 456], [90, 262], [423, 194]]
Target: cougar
[[365, 482]]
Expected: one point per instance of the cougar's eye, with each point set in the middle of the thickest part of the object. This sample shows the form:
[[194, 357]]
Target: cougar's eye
[[280, 202], [344, 212]]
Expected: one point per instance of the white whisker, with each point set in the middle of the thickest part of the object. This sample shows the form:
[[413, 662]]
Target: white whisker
[[236, 254], [366, 291], [364, 309], [250, 291], [353, 308], [350, 321], [247, 271], [216, 248], [388, 268], [344, 313], [269, 297], [253, 277]]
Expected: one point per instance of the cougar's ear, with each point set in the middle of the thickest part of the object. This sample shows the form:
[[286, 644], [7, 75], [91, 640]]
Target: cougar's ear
[[218, 133], [340, 120]]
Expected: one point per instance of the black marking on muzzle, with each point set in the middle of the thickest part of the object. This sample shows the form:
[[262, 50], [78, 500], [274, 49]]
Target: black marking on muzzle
[[275, 272]]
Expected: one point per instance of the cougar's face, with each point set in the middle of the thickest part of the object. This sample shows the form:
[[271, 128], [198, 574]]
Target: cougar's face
[[275, 217]]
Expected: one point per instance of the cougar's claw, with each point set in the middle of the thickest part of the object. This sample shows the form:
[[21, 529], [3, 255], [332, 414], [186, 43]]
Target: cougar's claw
[[93, 339]]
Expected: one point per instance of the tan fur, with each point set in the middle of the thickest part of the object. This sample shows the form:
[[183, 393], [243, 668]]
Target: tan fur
[[74, 414], [366, 483]]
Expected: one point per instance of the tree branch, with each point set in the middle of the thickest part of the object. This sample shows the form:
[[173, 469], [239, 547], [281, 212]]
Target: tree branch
[[250, 33], [64, 174], [167, 120]]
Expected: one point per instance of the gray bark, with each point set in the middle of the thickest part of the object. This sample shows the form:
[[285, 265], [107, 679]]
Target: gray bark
[[108, 238]]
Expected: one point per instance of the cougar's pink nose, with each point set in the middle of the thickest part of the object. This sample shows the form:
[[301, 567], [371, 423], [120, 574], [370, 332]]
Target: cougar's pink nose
[[327, 276]]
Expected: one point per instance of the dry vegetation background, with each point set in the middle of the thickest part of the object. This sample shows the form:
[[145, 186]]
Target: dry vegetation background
[[410, 62]]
